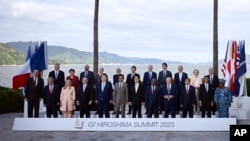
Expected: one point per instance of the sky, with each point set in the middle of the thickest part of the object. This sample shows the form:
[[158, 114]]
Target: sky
[[173, 30]]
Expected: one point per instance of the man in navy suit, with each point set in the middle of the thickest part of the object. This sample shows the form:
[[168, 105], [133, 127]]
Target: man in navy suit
[[89, 74], [51, 98], [206, 97], [152, 99], [104, 96], [136, 97], [84, 97], [162, 80], [169, 93], [130, 82], [59, 79], [179, 81], [187, 99]]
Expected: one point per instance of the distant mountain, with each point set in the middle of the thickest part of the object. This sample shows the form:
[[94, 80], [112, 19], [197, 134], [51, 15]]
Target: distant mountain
[[10, 56], [73, 56]]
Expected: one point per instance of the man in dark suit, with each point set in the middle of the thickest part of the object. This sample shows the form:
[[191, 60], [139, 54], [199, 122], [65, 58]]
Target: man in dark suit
[[116, 76], [51, 98], [104, 96], [161, 81], [169, 93], [120, 96], [179, 81], [187, 99], [147, 77], [59, 79], [152, 99], [136, 97], [214, 82], [33, 94], [84, 97], [89, 74], [206, 97], [130, 82]]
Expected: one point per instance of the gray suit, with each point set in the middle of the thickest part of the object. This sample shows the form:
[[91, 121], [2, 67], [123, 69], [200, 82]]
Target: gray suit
[[120, 98]]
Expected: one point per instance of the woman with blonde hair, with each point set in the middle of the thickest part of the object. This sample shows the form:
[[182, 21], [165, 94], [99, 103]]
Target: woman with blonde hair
[[67, 99], [196, 81]]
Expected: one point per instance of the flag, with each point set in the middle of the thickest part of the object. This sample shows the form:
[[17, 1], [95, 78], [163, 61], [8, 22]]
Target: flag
[[241, 71], [36, 59], [234, 67]]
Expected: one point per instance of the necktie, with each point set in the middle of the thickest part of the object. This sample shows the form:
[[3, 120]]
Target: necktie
[[50, 89], [211, 79], [86, 73], [206, 87], [103, 85], [132, 76], [136, 88], [187, 89], [150, 75], [84, 87], [56, 74], [34, 82], [120, 85], [164, 73], [153, 89]]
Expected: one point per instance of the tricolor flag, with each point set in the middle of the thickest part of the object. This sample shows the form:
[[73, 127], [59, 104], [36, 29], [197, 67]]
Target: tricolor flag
[[234, 67], [36, 59]]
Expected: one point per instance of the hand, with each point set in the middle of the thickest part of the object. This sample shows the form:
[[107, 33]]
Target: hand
[[90, 102], [181, 105], [96, 102], [171, 96], [58, 103], [110, 101], [166, 97], [200, 103], [130, 103]]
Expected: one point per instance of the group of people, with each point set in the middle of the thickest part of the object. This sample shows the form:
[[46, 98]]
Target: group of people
[[155, 92]]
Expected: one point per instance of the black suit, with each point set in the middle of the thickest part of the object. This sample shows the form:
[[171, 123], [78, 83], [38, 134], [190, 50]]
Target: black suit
[[84, 96], [137, 98], [187, 100], [50, 99], [130, 82], [215, 84], [33, 93], [59, 81], [179, 84], [206, 97], [152, 99], [90, 76], [116, 78]]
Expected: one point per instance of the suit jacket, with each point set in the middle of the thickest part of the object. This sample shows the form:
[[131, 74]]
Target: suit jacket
[[33, 92], [60, 81], [67, 98], [90, 78], [162, 79], [105, 95], [116, 78], [121, 94], [84, 96], [139, 95], [215, 82], [173, 91], [147, 79], [98, 79], [51, 98], [205, 96], [179, 83], [152, 99], [130, 80], [188, 99]]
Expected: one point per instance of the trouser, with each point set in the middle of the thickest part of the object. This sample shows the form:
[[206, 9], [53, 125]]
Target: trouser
[[152, 110], [119, 106], [169, 106], [33, 105], [84, 109], [51, 110], [197, 107], [188, 109], [136, 108], [103, 106], [206, 107]]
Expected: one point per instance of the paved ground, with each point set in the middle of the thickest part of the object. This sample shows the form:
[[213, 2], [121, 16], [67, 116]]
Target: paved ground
[[6, 134]]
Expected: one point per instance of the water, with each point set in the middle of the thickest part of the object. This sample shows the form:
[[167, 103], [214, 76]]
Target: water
[[7, 72]]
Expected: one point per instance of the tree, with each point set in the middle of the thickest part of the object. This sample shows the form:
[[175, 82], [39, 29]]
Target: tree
[[95, 62], [215, 37]]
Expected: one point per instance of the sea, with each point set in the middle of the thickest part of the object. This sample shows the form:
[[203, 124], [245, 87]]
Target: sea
[[7, 72]]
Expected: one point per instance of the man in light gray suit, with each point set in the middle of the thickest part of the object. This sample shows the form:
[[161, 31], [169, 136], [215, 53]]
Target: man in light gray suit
[[120, 96]]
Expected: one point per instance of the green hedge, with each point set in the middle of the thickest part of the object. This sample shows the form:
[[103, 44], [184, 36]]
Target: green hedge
[[11, 100]]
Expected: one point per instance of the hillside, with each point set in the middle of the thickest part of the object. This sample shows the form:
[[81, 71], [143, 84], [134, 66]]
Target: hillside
[[73, 56], [10, 56]]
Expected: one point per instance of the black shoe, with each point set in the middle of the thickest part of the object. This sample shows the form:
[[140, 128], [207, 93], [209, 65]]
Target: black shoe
[[113, 113], [128, 113], [96, 113]]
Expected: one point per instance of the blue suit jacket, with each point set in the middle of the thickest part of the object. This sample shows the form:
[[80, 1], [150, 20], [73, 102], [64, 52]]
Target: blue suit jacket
[[161, 78], [152, 100], [173, 91], [106, 95], [147, 80]]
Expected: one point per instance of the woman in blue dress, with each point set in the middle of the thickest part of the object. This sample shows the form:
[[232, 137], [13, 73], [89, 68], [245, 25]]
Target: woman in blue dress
[[223, 99]]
